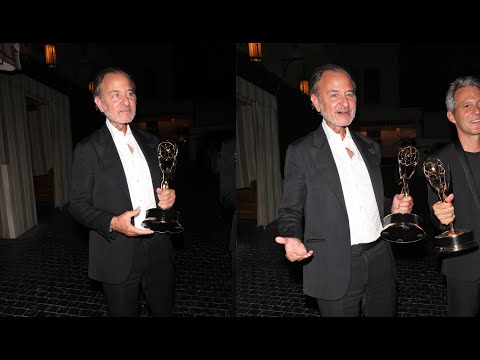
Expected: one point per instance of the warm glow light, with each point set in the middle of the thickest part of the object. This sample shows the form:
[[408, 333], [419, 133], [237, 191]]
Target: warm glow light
[[255, 51], [50, 55], [91, 85], [304, 88]]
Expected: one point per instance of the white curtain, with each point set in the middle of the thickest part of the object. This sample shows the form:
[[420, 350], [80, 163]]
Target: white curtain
[[40, 132], [54, 115], [17, 200], [19, 162], [258, 154]]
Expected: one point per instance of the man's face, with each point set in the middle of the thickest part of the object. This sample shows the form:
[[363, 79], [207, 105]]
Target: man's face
[[335, 99], [117, 98], [466, 115]]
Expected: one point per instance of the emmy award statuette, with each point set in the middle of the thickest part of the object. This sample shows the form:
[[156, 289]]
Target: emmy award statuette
[[160, 220], [453, 240], [404, 227]]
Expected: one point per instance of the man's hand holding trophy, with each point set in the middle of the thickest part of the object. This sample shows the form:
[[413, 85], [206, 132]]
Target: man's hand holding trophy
[[453, 240], [404, 227], [165, 220]]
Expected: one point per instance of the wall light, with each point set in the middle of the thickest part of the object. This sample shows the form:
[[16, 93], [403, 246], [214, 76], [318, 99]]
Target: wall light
[[91, 84], [304, 88], [255, 52], [303, 84], [50, 55]]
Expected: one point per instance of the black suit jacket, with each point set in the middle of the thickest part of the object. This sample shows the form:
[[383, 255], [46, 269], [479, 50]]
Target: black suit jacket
[[467, 211], [312, 191], [99, 191]]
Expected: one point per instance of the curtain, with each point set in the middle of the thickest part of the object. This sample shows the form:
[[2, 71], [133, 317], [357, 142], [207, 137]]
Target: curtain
[[55, 117], [40, 133], [258, 154], [31, 142]]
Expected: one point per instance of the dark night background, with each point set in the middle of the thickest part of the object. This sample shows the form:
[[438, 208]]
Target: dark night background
[[426, 70], [203, 65]]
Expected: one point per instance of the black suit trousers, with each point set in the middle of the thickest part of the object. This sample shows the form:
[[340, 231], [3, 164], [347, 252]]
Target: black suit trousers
[[372, 291], [153, 273], [463, 298]]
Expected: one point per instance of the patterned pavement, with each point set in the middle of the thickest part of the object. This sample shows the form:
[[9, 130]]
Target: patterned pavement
[[43, 273], [269, 285]]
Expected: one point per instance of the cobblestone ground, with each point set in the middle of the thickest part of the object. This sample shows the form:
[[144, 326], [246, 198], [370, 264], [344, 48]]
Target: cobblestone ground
[[269, 285], [43, 273]]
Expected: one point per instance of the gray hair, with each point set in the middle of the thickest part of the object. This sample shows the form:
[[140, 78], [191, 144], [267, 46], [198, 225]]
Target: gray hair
[[101, 76], [318, 73], [459, 83]]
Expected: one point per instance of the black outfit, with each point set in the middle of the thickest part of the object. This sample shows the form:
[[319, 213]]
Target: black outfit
[[313, 193], [461, 270], [99, 191]]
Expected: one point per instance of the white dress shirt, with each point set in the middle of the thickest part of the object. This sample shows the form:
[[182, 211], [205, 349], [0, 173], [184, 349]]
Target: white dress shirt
[[362, 209], [137, 172]]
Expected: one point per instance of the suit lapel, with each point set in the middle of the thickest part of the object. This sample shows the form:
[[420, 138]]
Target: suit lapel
[[323, 158], [149, 150], [468, 173], [111, 160], [371, 161]]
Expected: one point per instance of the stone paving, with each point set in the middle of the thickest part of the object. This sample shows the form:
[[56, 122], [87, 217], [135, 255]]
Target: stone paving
[[43, 273], [269, 285]]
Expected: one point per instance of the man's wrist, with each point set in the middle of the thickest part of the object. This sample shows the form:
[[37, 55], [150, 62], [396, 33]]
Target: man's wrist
[[110, 229]]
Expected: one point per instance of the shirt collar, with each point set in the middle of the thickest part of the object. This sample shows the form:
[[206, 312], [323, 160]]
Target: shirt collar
[[117, 133], [333, 136], [335, 140]]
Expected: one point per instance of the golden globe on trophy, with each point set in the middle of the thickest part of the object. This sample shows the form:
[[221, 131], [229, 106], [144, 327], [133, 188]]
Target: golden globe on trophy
[[404, 227], [453, 240], [160, 220]]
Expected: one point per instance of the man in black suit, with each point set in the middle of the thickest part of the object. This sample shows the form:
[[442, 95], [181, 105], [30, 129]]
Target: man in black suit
[[333, 183], [115, 180], [462, 270]]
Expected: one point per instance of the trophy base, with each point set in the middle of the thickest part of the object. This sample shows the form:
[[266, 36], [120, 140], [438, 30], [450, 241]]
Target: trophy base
[[163, 221], [457, 241], [402, 228]]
